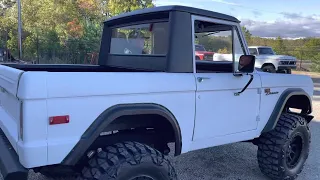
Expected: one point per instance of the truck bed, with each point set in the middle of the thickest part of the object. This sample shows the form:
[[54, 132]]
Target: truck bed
[[72, 68]]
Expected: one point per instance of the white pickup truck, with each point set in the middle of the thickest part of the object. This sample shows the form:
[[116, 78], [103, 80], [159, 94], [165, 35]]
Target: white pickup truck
[[113, 121], [268, 61]]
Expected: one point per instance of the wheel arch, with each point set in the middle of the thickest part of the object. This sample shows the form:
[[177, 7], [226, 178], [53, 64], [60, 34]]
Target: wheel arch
[[112, 114], [268, 64], [290, 98]]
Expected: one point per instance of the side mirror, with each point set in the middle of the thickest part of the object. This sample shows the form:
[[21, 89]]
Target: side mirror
[[246, 63]]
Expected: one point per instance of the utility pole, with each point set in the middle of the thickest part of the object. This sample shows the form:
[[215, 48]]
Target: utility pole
[[19, 29]]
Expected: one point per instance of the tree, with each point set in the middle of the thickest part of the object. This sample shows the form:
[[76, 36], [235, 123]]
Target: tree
[[6, 4], [279, 46], [247, 34], [116, 7]]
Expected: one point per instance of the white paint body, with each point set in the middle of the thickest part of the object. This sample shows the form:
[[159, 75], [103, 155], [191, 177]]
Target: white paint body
[[209, 109], [208, 112]]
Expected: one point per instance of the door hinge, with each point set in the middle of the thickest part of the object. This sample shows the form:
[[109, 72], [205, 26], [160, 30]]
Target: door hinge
[[258, 118], [259, 90]]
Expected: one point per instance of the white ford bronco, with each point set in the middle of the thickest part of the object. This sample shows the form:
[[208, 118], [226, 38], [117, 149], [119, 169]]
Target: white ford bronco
[[268, 61], [115, 120]]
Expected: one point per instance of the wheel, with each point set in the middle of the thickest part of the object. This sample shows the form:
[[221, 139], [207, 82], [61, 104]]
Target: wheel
[[198, 58], [128, 161], [269, 68], [288, 71], [283, 151]]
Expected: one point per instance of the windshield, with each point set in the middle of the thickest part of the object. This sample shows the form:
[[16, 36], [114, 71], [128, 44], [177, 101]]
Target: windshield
[[200, 48], [263, 51]]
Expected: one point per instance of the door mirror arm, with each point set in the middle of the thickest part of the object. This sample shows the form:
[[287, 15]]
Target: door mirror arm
[[245, 87]]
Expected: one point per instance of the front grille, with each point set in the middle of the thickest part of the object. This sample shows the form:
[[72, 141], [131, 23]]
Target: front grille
[[288, 62]]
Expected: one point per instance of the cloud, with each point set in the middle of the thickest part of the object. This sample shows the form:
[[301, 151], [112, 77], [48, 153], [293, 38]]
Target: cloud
[[292, 26], [232, 9], [256, 13], [291, 15]]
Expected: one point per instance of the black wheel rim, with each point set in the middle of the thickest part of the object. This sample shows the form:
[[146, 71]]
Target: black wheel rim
[[267, 70], [294, 151]]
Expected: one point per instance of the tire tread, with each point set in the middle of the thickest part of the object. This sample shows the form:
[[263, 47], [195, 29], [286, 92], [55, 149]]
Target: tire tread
[[270, 152], [108, 160]]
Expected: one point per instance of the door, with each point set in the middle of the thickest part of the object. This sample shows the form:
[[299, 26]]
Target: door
[[220, 109]]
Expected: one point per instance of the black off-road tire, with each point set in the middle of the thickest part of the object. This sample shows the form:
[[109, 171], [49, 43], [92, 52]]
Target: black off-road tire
[[128, 161], [275, 148], [269, 68]]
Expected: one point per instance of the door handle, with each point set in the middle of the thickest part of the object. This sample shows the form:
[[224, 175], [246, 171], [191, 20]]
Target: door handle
[[201, 79]]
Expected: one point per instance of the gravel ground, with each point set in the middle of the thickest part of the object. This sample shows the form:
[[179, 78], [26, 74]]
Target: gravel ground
[[238, 161]]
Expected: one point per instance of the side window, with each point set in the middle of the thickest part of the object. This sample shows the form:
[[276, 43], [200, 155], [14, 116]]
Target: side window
[[141, 39], [253, 51], [216, 46]]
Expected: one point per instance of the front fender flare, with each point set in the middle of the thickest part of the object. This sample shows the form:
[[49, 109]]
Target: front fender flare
[[280, 105], [111, 114]]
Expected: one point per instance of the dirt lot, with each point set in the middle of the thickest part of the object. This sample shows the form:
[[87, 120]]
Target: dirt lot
[[238, 161]]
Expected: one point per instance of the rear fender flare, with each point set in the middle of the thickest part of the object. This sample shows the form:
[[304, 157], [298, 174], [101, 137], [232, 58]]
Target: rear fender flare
[[280, 105], [111, 114]]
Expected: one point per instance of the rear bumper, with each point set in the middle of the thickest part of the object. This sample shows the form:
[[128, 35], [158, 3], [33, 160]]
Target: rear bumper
[[10, 167]]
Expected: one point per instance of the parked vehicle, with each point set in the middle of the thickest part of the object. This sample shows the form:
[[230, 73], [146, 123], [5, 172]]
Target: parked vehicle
[[114, 120], [268, 61], [202, 53]]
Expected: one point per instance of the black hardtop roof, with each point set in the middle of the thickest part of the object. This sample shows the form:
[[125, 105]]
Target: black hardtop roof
[[187, 9]]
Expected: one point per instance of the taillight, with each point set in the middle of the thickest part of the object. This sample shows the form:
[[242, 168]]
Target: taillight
[[21, 122]]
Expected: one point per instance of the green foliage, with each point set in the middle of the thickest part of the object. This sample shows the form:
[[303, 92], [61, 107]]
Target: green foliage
[[65, 31], [116, 7], [215, 43], [279, 47], [223, 51], [246, 33]]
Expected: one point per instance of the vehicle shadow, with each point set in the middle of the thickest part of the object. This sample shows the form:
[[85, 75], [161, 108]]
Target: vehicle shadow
[[238, 162]]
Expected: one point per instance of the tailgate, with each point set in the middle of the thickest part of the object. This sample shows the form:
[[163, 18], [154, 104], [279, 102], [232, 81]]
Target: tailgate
[[9, 103], [9, 79]]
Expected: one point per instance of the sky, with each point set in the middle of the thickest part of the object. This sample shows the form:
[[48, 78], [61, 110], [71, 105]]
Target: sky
[[269, 18]]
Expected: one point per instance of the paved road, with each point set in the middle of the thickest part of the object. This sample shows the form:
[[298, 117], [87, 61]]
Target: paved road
[[238, 161]]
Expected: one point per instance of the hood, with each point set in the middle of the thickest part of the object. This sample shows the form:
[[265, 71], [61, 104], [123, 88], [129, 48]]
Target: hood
[[204, 52], [285, 80], [279, 57]]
